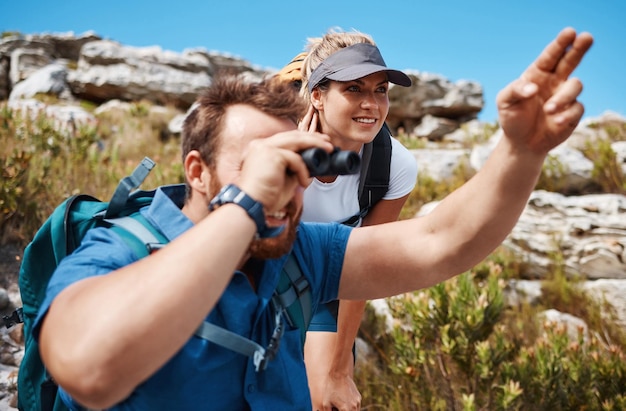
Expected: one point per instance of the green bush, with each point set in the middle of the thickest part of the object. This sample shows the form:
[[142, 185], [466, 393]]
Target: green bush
[[456, 346], [43, 163]]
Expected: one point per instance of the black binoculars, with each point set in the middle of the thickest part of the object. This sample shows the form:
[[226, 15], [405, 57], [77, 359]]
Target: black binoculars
[[321, 163]]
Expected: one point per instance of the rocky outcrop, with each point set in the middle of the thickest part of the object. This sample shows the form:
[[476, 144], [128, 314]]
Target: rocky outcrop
[[107, 70], [587, 231], [434, 98], [91, 68]]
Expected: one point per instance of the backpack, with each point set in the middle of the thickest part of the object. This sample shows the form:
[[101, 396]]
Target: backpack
[[62, 233]]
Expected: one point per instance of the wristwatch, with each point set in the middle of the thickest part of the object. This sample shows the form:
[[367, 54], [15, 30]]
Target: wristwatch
[[233, 194]]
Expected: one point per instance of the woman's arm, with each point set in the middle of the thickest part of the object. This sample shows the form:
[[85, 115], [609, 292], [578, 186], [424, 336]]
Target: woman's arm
[[340, 389]]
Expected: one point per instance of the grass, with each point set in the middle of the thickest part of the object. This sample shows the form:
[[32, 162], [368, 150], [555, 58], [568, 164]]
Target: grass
[[42, 164]]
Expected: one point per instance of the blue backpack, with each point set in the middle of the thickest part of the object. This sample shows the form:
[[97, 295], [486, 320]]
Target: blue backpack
[[62, 233]]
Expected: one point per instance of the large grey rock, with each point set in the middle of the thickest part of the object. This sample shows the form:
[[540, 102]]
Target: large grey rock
[[107, 70], [47, 80]]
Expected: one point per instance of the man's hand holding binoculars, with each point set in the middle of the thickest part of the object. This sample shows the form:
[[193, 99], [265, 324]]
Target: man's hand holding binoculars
[[273, 168]]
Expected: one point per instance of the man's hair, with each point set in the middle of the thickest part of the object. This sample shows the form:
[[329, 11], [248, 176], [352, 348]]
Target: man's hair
[[320, 48], [204, 124]]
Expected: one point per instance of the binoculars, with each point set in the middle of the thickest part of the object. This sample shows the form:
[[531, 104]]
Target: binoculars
[[321, 163]]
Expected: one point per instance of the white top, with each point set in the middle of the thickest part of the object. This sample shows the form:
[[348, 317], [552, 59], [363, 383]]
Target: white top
[[338, 201]]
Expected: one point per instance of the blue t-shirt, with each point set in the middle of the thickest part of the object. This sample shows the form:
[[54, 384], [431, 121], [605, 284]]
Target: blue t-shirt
[[203, 375]]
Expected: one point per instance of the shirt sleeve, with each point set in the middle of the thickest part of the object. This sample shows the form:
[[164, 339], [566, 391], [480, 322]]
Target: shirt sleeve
[[403, 171], [321, 247], [101, 252]]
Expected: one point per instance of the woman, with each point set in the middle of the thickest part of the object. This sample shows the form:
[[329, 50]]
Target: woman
[[346, 81]]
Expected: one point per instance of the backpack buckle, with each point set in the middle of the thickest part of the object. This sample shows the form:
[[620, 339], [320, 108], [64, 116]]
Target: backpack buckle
[[261, 359], [16, 317]]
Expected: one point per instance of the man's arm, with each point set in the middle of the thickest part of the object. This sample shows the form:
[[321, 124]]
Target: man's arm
[[537, 112], [106, 352]]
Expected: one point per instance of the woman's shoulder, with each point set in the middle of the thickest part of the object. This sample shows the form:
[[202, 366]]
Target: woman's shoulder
[[400, 154]]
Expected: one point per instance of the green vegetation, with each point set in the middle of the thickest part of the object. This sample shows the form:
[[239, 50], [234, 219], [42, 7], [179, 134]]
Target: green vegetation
[[455, 346], [6, 34], [43, 163], [607, 171]]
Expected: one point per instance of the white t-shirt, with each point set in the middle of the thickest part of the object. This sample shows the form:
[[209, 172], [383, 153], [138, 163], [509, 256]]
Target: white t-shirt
[[338, 201]]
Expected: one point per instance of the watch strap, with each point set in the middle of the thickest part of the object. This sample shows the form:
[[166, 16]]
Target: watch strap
[[233, 194]]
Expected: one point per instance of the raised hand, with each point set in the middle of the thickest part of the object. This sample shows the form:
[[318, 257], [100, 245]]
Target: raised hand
[[310, 121], [272, 168], [540, 109]]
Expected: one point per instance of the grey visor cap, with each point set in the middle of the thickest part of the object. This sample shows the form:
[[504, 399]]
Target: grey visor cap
[[354, 62]]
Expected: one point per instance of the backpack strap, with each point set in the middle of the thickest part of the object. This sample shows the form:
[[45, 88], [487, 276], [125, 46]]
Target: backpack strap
[[377, 178], [366, 159], [292, 287], [235, 342], [230, 340], [140, 229], [126, 185], [374, 177]]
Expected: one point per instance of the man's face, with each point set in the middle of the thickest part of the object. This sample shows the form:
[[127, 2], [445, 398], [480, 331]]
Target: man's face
[[242, 125]]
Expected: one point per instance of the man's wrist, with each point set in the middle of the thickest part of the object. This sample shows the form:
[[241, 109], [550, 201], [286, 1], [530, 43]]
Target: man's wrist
[[231, 194]]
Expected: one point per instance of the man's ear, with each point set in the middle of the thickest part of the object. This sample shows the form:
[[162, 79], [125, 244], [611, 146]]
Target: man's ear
[[197, 172]]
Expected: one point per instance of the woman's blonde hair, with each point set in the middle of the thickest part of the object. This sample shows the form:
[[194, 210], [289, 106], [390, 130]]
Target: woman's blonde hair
[[320, 48]]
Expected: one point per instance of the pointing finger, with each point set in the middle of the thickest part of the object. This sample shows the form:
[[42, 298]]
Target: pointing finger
[[561, 56], [574, 55], [549, 58]]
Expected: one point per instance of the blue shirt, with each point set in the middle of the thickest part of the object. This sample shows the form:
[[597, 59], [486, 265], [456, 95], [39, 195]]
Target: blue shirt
[[203, 375]]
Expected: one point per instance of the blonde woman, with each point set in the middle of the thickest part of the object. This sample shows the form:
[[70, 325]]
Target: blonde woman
[[346, 82]]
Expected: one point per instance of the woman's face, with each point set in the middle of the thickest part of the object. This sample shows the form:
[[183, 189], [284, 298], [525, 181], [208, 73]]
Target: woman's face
[[353, 112]]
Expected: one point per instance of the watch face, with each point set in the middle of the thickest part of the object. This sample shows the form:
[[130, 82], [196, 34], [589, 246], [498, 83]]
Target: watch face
[[230, 192]]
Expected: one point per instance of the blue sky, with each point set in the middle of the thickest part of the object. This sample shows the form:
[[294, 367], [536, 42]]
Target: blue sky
[[490, 42]]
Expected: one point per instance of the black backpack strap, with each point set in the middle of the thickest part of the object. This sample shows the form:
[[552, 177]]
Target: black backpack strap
[[376, 182], [366, 159], [48, 394], [16, 317], [375, 170]]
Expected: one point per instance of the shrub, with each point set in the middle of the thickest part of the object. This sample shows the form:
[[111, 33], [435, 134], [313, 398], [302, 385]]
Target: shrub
[[457, 346], [42, 164]]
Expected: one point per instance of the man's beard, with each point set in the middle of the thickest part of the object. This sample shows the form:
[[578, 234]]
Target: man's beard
[[276, 247], [268, 248]]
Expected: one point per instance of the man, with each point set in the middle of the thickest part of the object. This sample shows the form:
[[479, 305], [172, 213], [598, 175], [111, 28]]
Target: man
[[119, 333]]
